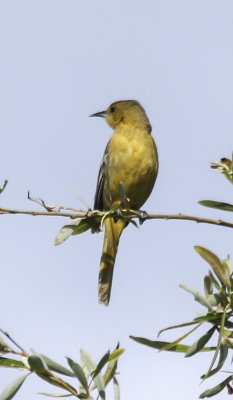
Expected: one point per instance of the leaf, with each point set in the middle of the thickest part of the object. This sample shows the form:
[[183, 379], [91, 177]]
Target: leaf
[[88, 361], [208, 285], [10, 363], [216, 389], [227, 270], [177, 341], [4, 185], [91, 365], [155, 344], [78, 371], [56, 381], [214, 299], [214, 281], [222, 359], [37, 364], [225, 166], [110, 371], [12, 388], [54, 366], [116, 354], [101, 364], [223, 319], [116, 389], [177, 326], [214, 261], [200, 343], [40, 368], [197, 296], [85, 224], [217, 204], [75, 227], [208, 317]]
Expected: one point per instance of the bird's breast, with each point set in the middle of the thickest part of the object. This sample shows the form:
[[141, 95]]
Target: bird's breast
[[132, 160]]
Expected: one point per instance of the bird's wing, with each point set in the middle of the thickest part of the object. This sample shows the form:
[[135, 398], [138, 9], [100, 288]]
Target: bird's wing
[[98, 201]]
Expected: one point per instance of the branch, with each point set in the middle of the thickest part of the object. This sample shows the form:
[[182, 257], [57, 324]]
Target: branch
[[43, 213], [124, 213], [191, 218]]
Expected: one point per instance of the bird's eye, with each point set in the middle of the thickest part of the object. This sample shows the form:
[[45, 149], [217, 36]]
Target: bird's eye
[[112, 109]]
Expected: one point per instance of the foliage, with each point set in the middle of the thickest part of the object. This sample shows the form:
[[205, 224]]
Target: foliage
[[89, 376], [225, 167], [218, 301]]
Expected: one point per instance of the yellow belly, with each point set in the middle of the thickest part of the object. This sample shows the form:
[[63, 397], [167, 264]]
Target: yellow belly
[[132, 160]]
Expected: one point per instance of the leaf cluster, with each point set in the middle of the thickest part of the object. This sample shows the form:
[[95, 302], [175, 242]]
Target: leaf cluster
[[218, 301], [90, 376]]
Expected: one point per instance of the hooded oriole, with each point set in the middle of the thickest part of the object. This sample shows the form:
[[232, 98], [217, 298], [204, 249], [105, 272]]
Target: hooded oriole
[[131, 158]]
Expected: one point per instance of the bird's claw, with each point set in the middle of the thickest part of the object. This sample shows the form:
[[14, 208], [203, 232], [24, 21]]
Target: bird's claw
[[142, 216]]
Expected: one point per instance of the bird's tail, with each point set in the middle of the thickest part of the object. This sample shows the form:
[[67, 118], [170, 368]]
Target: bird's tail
[[112, 235]]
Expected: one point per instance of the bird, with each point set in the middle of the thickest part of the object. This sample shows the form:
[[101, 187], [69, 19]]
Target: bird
[[130, 160]]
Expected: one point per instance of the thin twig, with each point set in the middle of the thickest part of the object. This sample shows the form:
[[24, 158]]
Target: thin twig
[[192, 218], [124, 213], [14, 342], [53, 207]]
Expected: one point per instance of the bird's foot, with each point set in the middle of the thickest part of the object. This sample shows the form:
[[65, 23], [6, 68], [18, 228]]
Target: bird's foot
[[142, 216]]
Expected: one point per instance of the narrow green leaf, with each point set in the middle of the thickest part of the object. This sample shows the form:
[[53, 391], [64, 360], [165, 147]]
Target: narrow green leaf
[[213, 299], [91, 365], [10, 363], [227, 271], [155, 344], [86, 224], [177, 341], [222, 358], [116, 354], [218, 343], [216, 389], [12, 388], [101, 364], [88, 361], [208, 317], [214, 281], [110, 371], [78, 225], [214, 261], [200, 343], [4, 185], [37, 364], [78, 371], [56, 381], [116, 389], [54, 366], [208, 285], [177, 326], [217, 204], [197, 296]]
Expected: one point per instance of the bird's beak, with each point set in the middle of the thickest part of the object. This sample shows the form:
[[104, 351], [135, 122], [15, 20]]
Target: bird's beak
[[99, 114]]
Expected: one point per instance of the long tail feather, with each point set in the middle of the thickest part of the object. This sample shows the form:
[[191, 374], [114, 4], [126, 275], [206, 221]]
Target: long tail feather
[[112, 235]]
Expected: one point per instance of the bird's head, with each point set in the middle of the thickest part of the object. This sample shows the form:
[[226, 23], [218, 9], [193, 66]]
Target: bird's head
[[126, 112]]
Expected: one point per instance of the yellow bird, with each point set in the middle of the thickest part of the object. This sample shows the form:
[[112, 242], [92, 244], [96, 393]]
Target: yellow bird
[[131, 158]]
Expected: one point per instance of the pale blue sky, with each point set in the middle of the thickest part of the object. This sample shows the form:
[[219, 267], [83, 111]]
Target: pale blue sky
[[60, 62]]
